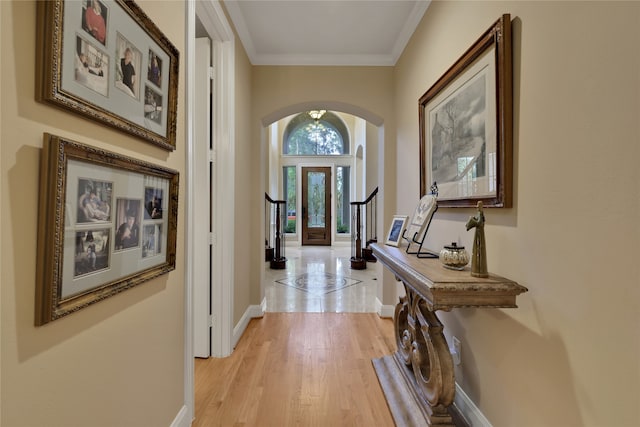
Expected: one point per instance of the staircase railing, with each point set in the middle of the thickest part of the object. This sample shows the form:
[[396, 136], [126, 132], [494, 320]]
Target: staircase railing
[[275, 222], [364, 227]]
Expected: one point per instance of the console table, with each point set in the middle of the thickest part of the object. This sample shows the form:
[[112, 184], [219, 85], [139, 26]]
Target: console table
[[418, 380]]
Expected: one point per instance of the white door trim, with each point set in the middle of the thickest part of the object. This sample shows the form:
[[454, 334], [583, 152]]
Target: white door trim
[[215, 22], [200, 188], [189, 384], [223, 119]]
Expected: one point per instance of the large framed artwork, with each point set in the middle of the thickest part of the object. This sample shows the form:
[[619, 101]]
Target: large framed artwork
[[107, 61], [106, 223], [466, 128]]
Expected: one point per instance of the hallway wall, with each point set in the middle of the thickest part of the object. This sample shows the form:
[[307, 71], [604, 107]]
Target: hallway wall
[[371, 161], [245, 177], [569, 355], [119, 362]]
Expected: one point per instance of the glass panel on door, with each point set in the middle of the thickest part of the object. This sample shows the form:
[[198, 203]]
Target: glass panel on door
[[316, 197]]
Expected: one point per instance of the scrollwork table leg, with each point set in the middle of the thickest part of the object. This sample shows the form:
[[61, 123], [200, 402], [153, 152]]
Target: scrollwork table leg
[[423, 347]]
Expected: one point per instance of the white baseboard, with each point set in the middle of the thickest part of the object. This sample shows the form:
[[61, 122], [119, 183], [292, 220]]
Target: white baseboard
[[252, 312], [385, 310], [182, 419], [469, 409]]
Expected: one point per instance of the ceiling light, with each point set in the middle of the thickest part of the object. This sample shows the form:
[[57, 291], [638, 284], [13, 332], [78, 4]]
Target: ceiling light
[[316, 114]]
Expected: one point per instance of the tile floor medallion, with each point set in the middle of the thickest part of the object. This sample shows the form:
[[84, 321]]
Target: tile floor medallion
[[319, 283], [320, 280]]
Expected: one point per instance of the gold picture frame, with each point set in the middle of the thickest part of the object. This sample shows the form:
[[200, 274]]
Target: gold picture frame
[[106, 223], [107, 61], [466, 125]]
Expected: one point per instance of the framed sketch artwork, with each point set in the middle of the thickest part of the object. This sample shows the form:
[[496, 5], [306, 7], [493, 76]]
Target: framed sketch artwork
[[107, 223], [107, 61], [466, 125]]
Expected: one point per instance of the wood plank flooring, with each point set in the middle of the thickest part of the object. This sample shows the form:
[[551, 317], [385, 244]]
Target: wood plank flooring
[[298, 369]]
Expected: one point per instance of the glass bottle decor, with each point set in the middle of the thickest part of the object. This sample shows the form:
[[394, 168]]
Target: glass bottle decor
[[454, 257]]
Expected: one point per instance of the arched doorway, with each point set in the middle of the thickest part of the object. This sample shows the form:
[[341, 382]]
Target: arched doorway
[[285, 170]]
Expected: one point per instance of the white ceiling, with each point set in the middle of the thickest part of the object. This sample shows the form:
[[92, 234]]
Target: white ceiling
[[325, 32]]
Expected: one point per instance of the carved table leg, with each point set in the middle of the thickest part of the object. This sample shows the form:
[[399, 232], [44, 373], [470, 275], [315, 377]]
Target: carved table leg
[[422, 345]]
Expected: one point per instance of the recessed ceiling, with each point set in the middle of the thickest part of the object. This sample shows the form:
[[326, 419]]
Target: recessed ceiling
[[325, 32]]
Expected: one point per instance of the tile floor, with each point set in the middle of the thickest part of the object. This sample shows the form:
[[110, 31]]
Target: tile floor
[[319, 279]]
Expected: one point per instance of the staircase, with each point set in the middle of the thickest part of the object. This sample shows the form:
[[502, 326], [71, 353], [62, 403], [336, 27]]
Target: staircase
[[275, 221], [363, 227]]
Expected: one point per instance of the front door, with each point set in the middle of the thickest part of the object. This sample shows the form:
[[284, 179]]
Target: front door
[[316, 206]]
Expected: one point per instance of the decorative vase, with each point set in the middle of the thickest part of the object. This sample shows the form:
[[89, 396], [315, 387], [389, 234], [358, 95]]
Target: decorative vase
[[454, 257]]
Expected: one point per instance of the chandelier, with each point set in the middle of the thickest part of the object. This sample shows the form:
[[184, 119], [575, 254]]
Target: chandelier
[[316, 114]]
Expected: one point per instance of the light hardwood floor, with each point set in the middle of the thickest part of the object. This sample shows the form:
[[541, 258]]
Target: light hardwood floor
[[298, 369]]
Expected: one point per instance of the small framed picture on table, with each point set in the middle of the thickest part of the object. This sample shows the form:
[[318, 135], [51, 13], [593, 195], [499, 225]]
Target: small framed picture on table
[[395, 231]]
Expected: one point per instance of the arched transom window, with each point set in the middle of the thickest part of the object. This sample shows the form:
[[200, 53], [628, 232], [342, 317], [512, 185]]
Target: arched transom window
[[316, 133]]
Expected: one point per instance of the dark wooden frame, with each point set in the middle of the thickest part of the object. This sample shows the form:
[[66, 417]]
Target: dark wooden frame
[[50, 45], [55, 228], [498, 36]]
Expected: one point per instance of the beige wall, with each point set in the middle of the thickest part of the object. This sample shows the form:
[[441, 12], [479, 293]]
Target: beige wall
[[246, 180], [120, 361], [570, 354], [371, 160]]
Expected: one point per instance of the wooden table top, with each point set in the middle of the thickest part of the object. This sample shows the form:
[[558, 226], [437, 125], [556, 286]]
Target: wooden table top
[[443, 288]]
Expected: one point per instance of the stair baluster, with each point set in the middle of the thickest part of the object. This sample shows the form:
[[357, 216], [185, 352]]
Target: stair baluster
[[276, 217], [359, 254]]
